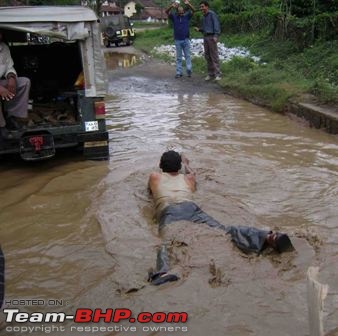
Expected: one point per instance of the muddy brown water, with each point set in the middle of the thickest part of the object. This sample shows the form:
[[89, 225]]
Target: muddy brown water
[[83, 233]]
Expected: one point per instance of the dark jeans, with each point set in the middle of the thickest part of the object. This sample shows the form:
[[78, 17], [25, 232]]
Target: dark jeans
[[248, 239], [188, 211]]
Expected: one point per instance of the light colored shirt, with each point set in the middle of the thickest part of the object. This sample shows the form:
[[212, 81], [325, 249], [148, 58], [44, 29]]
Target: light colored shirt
[[6, 61], [171, 189]]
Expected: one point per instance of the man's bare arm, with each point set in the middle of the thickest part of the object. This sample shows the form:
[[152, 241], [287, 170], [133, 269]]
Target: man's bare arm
[[171, 6], [153, 182], [190, 174], [189, 5], [187, 169]]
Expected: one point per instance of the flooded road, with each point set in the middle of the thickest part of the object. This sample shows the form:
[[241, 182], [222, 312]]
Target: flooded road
[[83, 232]]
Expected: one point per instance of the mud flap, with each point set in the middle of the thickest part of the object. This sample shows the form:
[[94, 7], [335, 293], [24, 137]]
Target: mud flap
[[95, 145], [36, 147]]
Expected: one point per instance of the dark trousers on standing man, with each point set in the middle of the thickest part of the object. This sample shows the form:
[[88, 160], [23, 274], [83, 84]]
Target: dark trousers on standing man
[[211, 55]]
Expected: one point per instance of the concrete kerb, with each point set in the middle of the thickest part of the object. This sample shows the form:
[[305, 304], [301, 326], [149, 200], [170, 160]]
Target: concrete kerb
[[320, 117]]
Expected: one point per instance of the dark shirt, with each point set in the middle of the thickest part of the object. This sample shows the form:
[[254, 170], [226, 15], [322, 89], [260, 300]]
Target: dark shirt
[[181, 25], [210, 24]]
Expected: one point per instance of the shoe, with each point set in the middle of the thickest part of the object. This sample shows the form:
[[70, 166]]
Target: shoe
[[207, 78], [12, 124], [178, 76], [189, 73], [5, 134], [218, 78], [160, 279]]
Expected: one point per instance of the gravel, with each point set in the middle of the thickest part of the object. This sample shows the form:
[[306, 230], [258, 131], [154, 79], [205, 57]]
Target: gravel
[[196, 50]]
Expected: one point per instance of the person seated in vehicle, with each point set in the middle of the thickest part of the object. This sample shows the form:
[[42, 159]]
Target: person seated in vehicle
[[14, 92], [173, 191]]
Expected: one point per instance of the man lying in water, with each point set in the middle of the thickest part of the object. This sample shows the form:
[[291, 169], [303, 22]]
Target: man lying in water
[[173, 196]]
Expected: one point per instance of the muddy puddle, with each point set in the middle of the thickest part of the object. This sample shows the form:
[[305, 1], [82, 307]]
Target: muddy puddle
[[83, 232], [120, 60]]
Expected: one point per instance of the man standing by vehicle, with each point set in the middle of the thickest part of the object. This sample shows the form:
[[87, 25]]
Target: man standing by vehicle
[[181, 34], [211, 30], [14, 91]]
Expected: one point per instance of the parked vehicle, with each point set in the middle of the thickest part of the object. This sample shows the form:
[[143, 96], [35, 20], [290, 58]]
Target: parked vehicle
[[117, 29], [65, 64]]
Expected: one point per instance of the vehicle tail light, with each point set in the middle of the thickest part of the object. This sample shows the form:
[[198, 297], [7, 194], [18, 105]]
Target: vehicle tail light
[[100, 109], [37, 142]]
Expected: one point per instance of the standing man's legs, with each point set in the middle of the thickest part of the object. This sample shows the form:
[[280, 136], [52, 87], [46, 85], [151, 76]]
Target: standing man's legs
[[178, 44], [186, 51], [207, 56], [213, 51], [211, 56]]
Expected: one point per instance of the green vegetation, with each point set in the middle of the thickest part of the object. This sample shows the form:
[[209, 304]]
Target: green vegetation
[[296, 41], [284, 72]]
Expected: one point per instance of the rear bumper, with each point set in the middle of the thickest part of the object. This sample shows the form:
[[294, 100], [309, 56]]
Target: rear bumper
[[95, 144]]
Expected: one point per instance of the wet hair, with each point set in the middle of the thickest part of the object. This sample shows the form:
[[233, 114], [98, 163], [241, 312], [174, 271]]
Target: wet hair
[[205, 3], [283, 243], [170, 162]]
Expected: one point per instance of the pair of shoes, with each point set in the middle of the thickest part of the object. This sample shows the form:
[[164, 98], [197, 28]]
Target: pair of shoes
[[13, 124], [178, 76], [218, 77], [5, 134], [189, 73], [207, 78]]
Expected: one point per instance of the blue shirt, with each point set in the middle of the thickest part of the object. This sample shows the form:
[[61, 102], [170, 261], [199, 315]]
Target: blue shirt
[[210, 24], [181, 25]]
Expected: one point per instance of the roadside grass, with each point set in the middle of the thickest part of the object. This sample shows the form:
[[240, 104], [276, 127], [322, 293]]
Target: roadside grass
[[148, 39], [283, 73]]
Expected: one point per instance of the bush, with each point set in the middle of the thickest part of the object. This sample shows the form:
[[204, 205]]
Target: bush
[[249, 21]]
